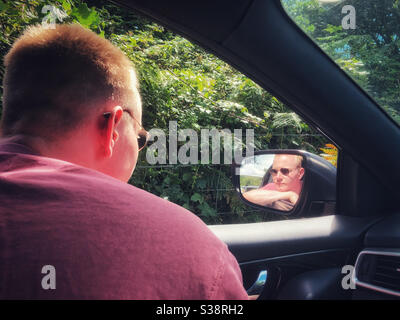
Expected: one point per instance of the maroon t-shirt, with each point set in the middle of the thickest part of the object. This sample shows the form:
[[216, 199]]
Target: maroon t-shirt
[[102, 238]]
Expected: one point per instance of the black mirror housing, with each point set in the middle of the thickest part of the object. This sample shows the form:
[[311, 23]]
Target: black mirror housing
[[318, 193]]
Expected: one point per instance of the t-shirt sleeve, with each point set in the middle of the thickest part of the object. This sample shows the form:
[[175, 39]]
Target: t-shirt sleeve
[[229, 283], [269, 186]]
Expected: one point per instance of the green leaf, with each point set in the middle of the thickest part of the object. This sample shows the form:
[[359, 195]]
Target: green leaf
[[201, 183], [207, 210], [186, 206], [67, 6], [187, 176], [197, 197], [3, 6], [167, 180], [85, 16]]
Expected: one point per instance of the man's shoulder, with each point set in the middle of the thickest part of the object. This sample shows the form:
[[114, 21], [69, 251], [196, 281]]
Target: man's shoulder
[[117, 240], [269, 186], [103, 195]]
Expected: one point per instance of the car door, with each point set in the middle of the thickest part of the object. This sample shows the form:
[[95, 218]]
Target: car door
[[299, 258]]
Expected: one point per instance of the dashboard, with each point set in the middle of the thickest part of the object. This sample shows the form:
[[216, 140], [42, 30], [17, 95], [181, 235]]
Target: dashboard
[[377, 269]]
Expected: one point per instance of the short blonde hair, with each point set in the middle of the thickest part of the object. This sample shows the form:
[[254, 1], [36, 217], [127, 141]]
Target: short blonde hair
[[53, 73], [297, 158]]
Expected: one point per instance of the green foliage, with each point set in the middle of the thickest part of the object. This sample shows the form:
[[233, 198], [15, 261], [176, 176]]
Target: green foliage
[[86, 17], [250, 181], [370, 54]]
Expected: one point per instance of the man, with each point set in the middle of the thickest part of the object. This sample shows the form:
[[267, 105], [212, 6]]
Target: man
[[282, 194], [70, 225]]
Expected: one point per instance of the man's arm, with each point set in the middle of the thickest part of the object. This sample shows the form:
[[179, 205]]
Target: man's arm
[[283, 205], [268, 197]]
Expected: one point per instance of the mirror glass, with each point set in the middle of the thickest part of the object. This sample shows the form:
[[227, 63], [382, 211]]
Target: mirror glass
[[272, 180]]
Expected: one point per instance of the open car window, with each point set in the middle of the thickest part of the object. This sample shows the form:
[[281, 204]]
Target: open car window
[[362, 37], [185, 91]]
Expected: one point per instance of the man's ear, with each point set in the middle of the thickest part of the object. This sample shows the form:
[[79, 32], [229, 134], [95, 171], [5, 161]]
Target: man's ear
[[110, 133], [301, 173]]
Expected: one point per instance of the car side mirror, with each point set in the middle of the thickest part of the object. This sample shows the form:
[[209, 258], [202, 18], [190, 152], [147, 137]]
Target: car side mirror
[[290, 182]]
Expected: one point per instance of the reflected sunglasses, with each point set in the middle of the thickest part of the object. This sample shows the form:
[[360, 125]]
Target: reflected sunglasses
[[284, 171], [143, 135]]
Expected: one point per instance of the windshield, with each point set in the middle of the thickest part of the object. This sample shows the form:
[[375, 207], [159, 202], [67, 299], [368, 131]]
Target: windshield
[[362, 37]]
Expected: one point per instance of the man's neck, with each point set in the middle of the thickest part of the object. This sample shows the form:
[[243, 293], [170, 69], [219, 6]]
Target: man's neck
[[33, 144], [69, 150]]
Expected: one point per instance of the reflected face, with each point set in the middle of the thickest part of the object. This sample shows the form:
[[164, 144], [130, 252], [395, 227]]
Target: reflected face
[[287, 172]]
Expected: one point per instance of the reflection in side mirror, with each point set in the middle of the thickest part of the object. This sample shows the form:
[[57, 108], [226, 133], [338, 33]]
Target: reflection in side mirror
[[272, 180]]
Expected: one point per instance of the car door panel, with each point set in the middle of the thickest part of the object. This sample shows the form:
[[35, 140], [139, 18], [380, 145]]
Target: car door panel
[[256, 241], [288, 249]]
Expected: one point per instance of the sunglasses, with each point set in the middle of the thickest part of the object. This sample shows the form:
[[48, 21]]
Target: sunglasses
[[284, 171], [143, 135]]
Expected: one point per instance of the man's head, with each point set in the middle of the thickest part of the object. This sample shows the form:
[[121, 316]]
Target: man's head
[[287, 172], [57, 86]]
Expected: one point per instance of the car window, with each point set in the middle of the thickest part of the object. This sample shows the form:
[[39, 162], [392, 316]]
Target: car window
[[362, 37], [189, 98]]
